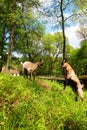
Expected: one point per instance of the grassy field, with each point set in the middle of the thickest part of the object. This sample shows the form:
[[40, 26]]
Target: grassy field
[[40, 105]]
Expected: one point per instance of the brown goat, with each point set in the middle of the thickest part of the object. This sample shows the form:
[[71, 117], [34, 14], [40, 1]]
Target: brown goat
[[72, 80], [11, 70], [30, 68]]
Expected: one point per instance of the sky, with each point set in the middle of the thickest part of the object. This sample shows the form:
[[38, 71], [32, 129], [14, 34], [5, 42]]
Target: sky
[[71, 34]]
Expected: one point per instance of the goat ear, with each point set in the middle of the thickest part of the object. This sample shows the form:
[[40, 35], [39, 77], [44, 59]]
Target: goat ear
[[40, 60]]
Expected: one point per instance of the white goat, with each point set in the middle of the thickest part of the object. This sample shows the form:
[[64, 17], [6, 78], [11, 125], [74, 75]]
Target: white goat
[[30, 68]]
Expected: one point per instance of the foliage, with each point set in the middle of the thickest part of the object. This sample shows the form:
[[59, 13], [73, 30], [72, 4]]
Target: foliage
[[83, 49], [82, 13], [58, 17], [78, 59], [26, 105], [82, 32], [27, 29], [53, 50]]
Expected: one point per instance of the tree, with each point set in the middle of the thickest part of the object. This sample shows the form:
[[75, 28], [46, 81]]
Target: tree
[[9, 18], [53, 48], [49, 50], [28, 41], [82, 32], [2, 45], [56, 13], [16, 23], [78, 58], [82, 13], [12, 27], [28, 35], [63, 28]]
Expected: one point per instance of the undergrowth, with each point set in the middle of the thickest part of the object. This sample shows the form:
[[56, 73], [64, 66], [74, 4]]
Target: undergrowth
[[26, 105]]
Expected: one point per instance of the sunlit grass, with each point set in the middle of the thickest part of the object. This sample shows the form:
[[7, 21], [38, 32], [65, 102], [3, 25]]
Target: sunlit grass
[[26, 105]]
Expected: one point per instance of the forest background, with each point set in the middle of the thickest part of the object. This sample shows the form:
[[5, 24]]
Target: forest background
[[23, 34]]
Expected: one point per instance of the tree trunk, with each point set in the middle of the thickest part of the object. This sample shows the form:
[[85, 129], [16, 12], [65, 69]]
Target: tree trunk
[[2, 58], [26, 36], [64, 40], [63, 30], [10, 47], [11, 36]]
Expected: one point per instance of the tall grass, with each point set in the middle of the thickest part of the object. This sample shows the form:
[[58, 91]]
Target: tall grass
[[26, 105]]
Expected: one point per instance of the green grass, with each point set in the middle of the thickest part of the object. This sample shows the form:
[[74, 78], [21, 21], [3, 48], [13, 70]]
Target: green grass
[[25, 105]]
